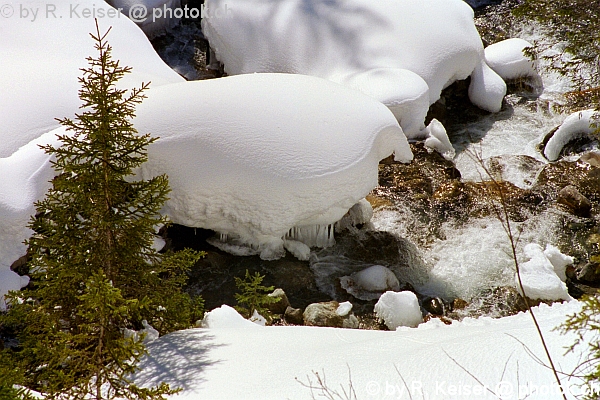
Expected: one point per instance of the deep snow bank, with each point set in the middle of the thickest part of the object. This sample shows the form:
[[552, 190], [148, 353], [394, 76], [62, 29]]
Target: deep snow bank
[[24, 179], [401, 52], [41, 57], [264, 362], [254, 156]]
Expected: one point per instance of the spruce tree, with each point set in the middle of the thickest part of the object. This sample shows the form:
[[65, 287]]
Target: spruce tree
[[95, 273]]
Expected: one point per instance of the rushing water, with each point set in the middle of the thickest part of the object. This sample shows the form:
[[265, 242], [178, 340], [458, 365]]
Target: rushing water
[[460, 260]]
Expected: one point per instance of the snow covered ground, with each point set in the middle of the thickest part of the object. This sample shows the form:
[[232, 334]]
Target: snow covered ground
[[473, 359]]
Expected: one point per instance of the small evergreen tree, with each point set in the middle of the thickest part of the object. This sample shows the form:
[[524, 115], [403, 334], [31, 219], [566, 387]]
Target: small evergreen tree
[[253, 296], [94, 270]]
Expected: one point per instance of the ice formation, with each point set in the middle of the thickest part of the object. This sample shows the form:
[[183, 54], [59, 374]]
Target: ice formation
[[370, 283], [399, 309], [245, 161], [538, 275], [41, 59], [507, 59], [576, 125], [160, 15], [401, 52]]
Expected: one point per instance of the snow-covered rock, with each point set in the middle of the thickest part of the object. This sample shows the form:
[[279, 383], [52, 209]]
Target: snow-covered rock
[[401, 52], [370, 283], [437, 139], [399, 309], [225, 317], [540, 281], [147, 334], [576, 125], [41, 61], [507, 59], [558, 260], [244, 159], [154, 17]]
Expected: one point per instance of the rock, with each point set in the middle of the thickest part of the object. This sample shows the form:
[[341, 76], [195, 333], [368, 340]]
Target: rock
[[459, 304], [324, 314], [280, 306], [589, 273], [293, 316], [570, 197], [351, 322], [434, 305], [591, 158]]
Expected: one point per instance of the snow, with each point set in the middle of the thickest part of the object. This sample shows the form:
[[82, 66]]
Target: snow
[[559, 261], [437, 139], [397, 309], [507, 59], [540, 281], [159, 17], [41, 59], [576, 125], [225, 317], [264, 362], [243, 159], [370, 283], [403, 53], [344, 309]]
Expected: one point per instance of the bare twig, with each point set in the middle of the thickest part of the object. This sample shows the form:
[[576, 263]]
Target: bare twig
[[471, 375], [322, 390], [503, 216]]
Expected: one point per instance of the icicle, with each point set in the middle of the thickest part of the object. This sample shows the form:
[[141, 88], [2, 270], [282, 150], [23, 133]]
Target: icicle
[[223, 237], [312, 236]]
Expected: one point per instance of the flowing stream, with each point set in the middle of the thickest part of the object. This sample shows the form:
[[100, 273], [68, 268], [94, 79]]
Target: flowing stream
[[461, 260]]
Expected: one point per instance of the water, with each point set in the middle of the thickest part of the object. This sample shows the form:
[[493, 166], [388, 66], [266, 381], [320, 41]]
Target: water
[[458, 260]]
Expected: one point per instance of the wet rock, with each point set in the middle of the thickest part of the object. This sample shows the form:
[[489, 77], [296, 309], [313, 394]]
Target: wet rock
[[294, 316], [577, 203], [325, 314], [434, 305], [589, 273], [591, 158], [519, 169], [497, 302], [459, 304], [280, 306]]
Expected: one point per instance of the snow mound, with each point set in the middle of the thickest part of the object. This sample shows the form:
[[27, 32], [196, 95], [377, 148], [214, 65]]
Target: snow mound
[[160, 17], [401, 52], [487, 88], [41, 62], [507, 59], [399, 309], [540, 281], [225, 317], [559, 261], [244, 161], [370, 283], [437, 139], [576, 125]]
